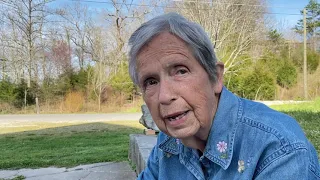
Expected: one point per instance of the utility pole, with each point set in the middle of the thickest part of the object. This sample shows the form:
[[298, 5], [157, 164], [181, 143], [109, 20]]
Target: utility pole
[[305, 89]]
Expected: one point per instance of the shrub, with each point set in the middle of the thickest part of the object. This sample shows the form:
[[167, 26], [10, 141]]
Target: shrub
[[62, 84], [121, 81], [79, 80], [258, 84], [31, 91], [74, 102], [7, 91], [287, 76], [6, 108], [253, 82], [48, 89], [271, 62], [72, 81], [233, 82], [312, 60]]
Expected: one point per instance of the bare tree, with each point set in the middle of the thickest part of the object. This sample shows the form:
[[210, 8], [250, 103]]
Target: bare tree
[[76, 29], [231, 25], [122, 19], [25, 19], [99, 52]]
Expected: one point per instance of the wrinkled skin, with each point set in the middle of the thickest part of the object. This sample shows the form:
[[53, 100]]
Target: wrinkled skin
[[177, 90]]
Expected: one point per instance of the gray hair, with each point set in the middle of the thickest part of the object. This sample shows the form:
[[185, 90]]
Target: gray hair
[[192, 33]]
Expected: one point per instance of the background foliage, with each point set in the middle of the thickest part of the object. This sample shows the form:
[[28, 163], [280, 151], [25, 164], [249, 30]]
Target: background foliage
[[73, 59]]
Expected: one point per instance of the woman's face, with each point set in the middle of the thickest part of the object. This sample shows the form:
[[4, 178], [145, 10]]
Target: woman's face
[[176, 88]]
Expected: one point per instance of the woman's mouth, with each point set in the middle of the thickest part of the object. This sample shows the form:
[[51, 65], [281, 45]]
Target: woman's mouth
[[177, 116]]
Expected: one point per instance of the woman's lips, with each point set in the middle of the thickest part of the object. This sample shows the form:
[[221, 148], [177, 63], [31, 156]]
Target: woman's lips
[[177, 118]]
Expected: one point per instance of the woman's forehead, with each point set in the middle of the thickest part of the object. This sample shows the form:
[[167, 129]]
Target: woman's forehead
[[164, 44], [164, 40]]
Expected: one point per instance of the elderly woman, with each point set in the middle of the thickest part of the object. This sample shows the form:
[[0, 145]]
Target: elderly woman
[[208, 132]]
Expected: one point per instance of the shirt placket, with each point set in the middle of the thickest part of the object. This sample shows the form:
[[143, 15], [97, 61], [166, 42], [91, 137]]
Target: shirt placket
[[191, 161]]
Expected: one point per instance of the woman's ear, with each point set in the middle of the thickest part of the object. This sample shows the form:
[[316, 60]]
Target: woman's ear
[[219, 81]]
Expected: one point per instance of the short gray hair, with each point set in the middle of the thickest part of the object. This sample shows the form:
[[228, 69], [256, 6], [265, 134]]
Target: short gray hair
[[192, 33]]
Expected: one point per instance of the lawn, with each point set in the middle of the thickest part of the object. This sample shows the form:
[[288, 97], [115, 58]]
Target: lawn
[[308, 116], [69, 144], [58, 144]]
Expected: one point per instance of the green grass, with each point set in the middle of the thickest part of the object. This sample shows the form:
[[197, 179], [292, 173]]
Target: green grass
[[308, 116], [15, 178], [313, 106], [35, 145], [67, 146]]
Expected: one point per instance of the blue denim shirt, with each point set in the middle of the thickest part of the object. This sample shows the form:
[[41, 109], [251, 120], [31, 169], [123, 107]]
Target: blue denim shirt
[[247, 140]]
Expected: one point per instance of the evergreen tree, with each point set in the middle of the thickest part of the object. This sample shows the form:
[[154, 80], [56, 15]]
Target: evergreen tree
[[312, 21]]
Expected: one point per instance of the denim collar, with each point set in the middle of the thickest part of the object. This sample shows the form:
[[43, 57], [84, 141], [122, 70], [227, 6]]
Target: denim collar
[[219, 147]]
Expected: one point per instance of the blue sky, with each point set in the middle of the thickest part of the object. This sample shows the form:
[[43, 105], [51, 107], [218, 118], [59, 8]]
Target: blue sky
[[286, 7], [92, 5]]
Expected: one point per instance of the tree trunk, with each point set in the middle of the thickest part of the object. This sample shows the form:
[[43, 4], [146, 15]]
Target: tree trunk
[[25, 100], [37, 106]]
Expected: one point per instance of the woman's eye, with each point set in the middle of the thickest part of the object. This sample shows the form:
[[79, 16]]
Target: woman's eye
[[182, 71], [150, 82]]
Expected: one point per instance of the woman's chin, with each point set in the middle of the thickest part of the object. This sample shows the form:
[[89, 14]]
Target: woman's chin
[[181, 133]]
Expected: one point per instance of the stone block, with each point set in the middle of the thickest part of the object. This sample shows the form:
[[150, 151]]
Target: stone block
[[140, 149]]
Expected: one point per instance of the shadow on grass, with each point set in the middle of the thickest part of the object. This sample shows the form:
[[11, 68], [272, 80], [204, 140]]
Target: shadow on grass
[[310, 123], [72, 145], [66, 146]]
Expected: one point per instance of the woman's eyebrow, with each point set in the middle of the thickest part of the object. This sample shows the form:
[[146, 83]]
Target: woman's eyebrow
[[146, 76], [177, 62]]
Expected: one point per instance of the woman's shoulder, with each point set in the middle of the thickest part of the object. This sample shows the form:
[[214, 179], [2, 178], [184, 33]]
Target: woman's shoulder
[[264, 120]]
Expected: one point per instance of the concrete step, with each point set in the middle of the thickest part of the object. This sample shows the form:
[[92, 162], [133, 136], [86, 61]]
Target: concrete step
[[140, 149]]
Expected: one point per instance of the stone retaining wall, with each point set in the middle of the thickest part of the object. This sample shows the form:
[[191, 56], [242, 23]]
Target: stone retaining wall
[[140, 149]]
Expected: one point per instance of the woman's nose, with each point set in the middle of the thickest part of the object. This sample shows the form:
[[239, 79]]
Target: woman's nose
[[166, 92]]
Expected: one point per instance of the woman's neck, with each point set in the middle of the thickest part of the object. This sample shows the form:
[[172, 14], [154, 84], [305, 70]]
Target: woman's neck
[[195, 143]]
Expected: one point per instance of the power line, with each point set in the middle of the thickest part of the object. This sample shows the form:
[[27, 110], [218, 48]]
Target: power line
[[234, 4], [242, 4], [173, 7]]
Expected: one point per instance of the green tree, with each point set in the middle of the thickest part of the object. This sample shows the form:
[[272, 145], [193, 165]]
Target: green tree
[[30, 95], [275, 42], [275, 36], [271, 62], [7, 91], [287, 75], [254, 82], [121, 82], [259, 84], [63, 83], [72, 81], [48, 89], [79, 80], [313, 60], [312, 21]]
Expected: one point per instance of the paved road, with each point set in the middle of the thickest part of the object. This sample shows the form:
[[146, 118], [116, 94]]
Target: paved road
[[69, 117]]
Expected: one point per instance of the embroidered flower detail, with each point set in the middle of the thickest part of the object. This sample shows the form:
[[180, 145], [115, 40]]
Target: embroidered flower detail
[[222, 146], [224, 156], [241, 167]]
